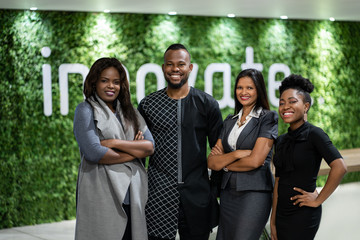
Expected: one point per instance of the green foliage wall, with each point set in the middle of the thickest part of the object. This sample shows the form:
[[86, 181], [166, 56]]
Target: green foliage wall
[[39, 155]]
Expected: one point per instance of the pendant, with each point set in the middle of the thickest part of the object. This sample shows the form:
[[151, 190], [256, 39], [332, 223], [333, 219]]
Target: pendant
[[239, 123]]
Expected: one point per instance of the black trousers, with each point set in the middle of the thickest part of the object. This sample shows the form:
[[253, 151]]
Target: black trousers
[[183, 228], [127, 234]]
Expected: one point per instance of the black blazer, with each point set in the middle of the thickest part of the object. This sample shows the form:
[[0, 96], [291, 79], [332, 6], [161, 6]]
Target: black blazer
[[259, 179]]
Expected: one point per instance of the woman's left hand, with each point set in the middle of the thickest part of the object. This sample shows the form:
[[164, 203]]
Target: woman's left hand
[[139, 136], [216, 150], [306, 198]]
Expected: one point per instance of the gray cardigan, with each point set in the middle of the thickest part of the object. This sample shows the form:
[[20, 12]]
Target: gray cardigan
[[102, 189]]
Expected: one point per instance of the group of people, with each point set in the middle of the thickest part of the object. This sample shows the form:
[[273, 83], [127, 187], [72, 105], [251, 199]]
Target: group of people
[[117, 198]]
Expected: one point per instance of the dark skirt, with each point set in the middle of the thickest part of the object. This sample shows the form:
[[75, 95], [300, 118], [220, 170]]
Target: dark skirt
[[243, 214]]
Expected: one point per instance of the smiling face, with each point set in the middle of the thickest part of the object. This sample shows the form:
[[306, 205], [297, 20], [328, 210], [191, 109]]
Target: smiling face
[[108, 86], [246, 92], [292, 108], [176, 68]]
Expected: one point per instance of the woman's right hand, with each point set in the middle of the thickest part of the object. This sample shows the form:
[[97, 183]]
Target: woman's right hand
[[139, 136]]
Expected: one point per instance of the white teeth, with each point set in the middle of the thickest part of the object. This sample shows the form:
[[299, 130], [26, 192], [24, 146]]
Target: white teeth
[[175, 76], [285, 114]]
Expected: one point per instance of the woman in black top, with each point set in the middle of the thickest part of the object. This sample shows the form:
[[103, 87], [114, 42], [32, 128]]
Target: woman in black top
[[296, 203]]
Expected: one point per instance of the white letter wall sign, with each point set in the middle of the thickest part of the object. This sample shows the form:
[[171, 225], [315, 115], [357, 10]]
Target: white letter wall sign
[[141, 75], [225, 68], [64, 70], [274, 85]]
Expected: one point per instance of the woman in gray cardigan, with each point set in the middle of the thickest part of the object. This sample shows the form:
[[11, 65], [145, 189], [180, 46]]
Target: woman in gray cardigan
[[112, 137], [244, 151]]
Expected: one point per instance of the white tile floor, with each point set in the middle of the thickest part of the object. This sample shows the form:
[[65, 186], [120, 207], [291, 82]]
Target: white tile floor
[[49, 231], [340, 220], [341, 214]]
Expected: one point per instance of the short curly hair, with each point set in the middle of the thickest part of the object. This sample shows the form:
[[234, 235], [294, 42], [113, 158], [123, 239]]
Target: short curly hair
[[177, 46], [301, 84]]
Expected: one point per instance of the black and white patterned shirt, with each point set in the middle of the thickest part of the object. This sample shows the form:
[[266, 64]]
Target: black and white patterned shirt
[[178, 166]]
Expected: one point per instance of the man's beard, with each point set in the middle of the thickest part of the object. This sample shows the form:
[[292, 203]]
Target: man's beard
[[178, 85]]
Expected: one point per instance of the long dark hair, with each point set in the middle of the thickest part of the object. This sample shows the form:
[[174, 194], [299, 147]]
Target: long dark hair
[[124, 94], [258, 80]]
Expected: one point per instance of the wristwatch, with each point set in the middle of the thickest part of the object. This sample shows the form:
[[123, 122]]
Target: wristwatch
[[225, 169]]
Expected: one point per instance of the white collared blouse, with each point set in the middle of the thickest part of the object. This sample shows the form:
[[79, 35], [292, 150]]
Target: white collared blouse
[[236, 131]]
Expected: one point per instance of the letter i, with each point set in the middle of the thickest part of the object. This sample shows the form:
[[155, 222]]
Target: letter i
[[46, 71]]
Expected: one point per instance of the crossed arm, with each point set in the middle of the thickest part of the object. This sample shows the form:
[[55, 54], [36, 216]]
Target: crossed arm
[[240, 160], [110, 151], [121, 151]]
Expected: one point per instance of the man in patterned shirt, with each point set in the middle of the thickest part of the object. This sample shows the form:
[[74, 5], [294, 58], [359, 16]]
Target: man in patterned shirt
[[181, 118]]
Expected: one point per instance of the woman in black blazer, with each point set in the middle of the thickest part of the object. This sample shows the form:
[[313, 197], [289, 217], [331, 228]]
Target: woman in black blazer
[[244, 151]]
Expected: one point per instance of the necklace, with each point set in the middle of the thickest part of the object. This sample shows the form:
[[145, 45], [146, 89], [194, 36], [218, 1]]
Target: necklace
[[241, 123]]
